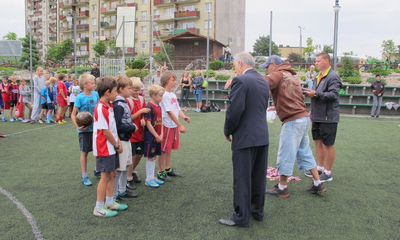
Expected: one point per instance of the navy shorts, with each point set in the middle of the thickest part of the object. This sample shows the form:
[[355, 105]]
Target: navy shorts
[[13, 103], [44, 106], [107, 164], [137, 148], [50, 106], [152, 149], [325, 132], [86, 141]]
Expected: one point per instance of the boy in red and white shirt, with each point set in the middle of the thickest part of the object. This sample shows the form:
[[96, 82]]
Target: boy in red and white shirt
[[106, 145], [62, 100]]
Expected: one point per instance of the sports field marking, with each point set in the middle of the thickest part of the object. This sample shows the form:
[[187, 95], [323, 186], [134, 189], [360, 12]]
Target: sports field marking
[[31, 130], [28, 215]]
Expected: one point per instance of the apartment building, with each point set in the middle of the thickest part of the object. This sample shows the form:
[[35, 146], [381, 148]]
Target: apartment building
[[96, 20]]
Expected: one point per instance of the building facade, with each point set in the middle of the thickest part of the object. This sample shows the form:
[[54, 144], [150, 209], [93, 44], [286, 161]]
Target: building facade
[[96, 20]]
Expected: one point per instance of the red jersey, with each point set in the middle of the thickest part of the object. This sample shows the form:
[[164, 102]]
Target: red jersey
[[13, 91], [6, 96], [103, 119], [61, 86], [137, 136]]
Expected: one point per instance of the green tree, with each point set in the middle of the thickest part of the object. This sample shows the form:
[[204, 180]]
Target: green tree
[[100, 49], [10, 36], [310, 48], [161, 56], [328, 49], [295, 57], [261, 47], [58, 51], [388, 48], [25, 56]]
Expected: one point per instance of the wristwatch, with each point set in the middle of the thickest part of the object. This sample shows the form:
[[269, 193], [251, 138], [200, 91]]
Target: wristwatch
[[117, 147]]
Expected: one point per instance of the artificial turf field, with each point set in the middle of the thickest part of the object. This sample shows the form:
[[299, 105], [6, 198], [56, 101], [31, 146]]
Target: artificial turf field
[[39, 166]]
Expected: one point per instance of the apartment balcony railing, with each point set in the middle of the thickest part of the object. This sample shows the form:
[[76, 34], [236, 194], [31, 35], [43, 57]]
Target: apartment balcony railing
[[80, 2], [187, 15], [161, 3], [82, 40], [82, 27], [83, 14], [163, 18]]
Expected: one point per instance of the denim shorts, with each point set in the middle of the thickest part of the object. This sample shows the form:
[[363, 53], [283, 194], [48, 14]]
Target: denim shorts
[[197, 95], [294, 144]]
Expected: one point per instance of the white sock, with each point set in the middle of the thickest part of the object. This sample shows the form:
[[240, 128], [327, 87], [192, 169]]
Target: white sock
[[317, 182], [122, 181], [109, 200], [328, 172], [129, 179], [150, 168], [115, 194], [320, 168], [281, 187], [99, 205]]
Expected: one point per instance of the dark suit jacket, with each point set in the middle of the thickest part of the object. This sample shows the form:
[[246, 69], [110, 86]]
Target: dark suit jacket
[[95, 72], [245, 117]]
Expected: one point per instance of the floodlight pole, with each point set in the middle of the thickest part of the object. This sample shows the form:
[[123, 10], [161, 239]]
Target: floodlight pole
[[208, 51], [270, 35], [72, 17], [336, 9], [30, 56]]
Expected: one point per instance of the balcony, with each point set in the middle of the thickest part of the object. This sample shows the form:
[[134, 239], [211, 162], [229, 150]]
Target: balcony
[[37, 5], [82, 27], [52, 29], [39, 40], [53, 38], [66, 4], [164, 18], [37, 19], [38, 33], [54, 2], [156, 49], [83, 14], [37, 25], [62, 16], [110, 10], [80, 2], [81, 54], [66, 29], [82, 40], [107, 24], [130, 50], [162, 3], [128, 5], [181, 30], [163, 33], [38, 12], [53, 9], [186, 1], [187, 15]]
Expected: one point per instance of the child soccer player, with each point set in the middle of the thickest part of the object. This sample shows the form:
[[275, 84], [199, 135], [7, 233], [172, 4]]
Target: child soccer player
[[44, 99], [74, 90], [106, 145], [51, 99], [170, 113], [125, 128], [68, 83], [85, 101], [13, 90], [153, 134], [62, 100], [137, 106], [25, 91], [6, 97]]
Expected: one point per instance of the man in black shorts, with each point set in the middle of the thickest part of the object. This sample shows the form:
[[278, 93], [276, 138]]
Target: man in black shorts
[[325, 114]]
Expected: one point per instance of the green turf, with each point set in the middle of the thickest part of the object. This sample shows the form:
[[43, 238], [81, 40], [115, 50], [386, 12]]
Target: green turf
[[41, 169]]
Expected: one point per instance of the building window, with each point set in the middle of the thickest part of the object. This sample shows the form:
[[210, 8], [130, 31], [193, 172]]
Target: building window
[[188, 25], [144, 15], [113, 33], [208, 7], [82, 48], [104, 19], [144, 1], [169, 26], [95, 34], [156, 28], [113, 19], [103, 32], [157, 12], [208, 24], [113, 5], [94, 21], [189, 8], [143, 45], [144, 29], [169, 11], [156, 43], [94, 8]]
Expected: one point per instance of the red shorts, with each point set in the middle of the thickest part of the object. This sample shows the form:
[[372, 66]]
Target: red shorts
[[6, 100], [170, 139], [62, 102]]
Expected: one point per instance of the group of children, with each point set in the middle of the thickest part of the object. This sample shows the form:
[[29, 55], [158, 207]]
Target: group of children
[[125, 129]]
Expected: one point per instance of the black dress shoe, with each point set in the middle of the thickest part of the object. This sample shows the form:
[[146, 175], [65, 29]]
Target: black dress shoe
[[127, 194], [227, 222]]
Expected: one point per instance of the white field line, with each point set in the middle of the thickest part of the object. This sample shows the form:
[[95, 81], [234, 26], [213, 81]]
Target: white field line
[[31, 130]]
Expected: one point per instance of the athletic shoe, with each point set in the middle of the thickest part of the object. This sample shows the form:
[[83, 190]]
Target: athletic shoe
[[325, 177], [4, 119], [20, 119], [308, 173], [32, 121], [163, 177], [104, 212], [86, 181], [172, 173], [159, 182], [52, 121], [40, 121], [48, 122], [276, 191], [316, 189], [119, 200], [136, 178], [12, 120], [152, 184], [130, 185], [63, 121], [59, 122], [116, 206], [96, 174], [127, 194]]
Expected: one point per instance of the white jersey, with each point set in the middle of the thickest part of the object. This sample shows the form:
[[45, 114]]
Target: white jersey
[[169, 104], [103, 119]]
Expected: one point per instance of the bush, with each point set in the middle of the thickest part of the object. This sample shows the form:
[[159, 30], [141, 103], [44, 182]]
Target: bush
[[7, 72], [138, 64], [222, 77], [379, 71], [216, 65], [352, 80], [303, 78], [137, 73], [397, 70], [372, 79], [348, 73], [79, 70], [62, 70]]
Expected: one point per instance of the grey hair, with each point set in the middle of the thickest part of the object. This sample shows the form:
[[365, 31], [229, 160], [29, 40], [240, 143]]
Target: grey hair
[[245, 58]]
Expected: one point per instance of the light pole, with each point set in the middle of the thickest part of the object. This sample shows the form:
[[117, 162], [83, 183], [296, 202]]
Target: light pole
[[208, 50], [336, 9], [301, 48], [71, 18], [30, 56]]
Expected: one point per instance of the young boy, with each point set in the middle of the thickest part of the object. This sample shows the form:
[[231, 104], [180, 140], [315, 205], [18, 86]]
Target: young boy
[[85, 101], [74, 90], [13, 90], [106, 145], [137, 105], [5, 96], [68, 83], [125, 128], [62, 100], [25, 92], [44, 101], [51, 99], [153, 134], [170, 113]]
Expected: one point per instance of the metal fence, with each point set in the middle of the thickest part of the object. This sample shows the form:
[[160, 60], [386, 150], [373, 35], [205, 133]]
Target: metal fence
[[112, 67]]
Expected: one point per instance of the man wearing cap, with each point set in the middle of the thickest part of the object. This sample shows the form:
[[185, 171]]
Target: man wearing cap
[[293, 140], [325, 114], [156, 78]]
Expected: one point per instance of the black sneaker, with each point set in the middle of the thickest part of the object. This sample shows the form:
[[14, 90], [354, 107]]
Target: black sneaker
[[136, 178], [276, 191], [96, 174], [127, 194], [172, 173], [163, 177], [130, 185], [316, 189], [308, 173], [325, 177], [119, 200]]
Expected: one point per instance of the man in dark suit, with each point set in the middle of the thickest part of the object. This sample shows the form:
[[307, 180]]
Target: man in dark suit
[[95, 71], [246, 121]]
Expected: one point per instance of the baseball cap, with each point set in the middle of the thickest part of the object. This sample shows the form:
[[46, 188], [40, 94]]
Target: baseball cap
[[271, 59]]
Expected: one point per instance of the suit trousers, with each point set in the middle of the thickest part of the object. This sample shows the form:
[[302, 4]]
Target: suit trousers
[[249, 183]]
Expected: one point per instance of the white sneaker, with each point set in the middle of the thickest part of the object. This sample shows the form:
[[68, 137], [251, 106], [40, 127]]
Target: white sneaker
[[104, 212]]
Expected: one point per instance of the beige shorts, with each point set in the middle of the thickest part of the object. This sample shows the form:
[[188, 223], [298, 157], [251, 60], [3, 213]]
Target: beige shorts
[[125, 158]]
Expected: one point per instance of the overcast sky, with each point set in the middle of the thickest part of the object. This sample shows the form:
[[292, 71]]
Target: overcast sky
[[363, 25]]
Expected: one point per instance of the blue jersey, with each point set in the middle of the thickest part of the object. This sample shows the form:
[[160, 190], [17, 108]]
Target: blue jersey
[[87, 103], [68, 84], [51, 94], [43, 94]]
